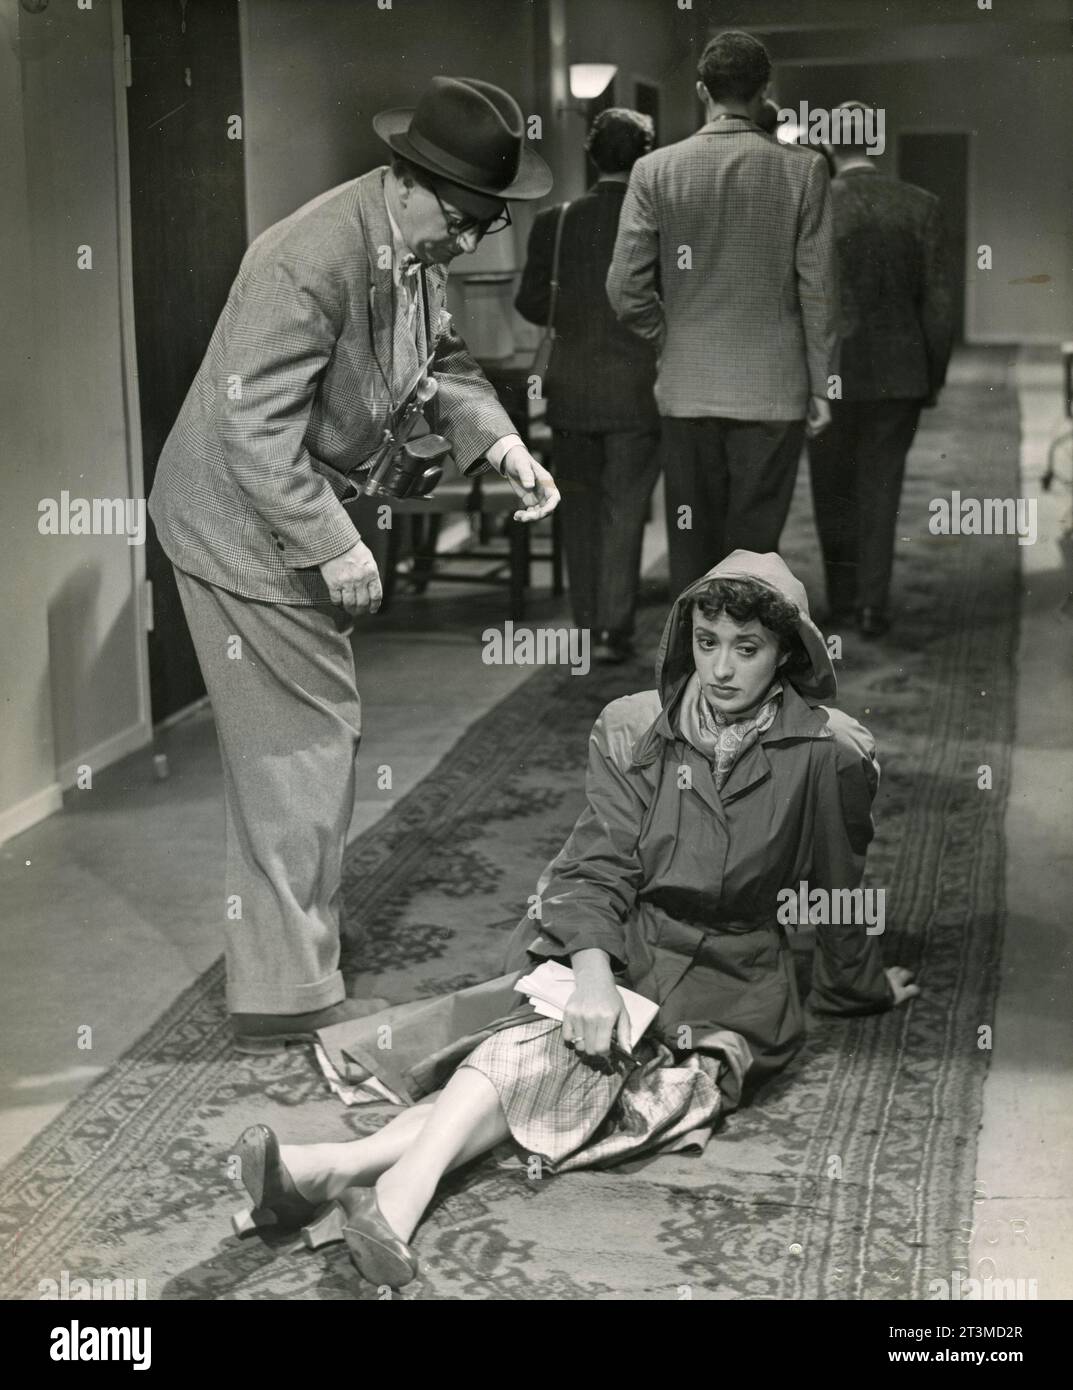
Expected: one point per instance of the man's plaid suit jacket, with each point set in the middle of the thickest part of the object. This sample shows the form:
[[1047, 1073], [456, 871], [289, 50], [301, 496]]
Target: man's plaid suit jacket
[[301, 373], [739, 229]]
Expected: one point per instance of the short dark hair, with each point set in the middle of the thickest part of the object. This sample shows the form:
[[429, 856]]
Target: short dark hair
[[734, 64], [745, 600], [618, 138], [844, 123], [768, 119]]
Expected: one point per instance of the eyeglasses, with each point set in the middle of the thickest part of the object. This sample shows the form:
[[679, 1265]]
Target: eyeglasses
[[461, 226]]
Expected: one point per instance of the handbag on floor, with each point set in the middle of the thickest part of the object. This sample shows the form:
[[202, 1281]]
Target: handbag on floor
[[546, 346]]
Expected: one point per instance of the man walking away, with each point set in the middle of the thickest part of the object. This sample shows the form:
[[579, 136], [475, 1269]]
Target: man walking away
[[897, 299], [725, 263], [601, 409]]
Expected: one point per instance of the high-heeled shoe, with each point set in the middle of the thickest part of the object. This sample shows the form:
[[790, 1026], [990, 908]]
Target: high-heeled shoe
[[276, 1200], [376, 1252]]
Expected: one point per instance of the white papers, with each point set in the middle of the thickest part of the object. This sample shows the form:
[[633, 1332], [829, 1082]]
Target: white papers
[[366, 1092], [550, 985]]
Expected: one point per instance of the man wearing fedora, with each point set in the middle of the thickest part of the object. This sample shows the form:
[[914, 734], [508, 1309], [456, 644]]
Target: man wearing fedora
[[331, 319]]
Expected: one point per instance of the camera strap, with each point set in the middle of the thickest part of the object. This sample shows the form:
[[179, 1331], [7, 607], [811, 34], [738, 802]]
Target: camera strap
[[432, 408], [424, 314]]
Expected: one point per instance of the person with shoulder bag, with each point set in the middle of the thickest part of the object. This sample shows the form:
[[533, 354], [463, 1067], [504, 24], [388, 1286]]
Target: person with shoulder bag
[[598, 379]]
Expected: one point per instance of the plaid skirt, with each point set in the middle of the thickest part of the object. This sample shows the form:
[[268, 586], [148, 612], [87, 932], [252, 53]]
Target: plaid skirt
[[572, 1116]]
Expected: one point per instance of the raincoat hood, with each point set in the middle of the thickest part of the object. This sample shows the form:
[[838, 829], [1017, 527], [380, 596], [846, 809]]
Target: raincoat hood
[[674, 664]]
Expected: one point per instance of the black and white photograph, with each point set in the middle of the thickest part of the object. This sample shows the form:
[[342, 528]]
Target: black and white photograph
[[536, 662]]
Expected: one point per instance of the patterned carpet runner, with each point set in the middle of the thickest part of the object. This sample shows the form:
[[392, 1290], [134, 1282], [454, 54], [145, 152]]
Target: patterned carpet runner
[[847, 1178]]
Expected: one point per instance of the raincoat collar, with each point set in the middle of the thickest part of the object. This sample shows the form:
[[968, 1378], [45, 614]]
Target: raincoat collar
[[794, 719]]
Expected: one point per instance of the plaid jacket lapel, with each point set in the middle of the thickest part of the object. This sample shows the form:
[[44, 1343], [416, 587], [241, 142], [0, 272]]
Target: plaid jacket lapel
[[436, 281], [380, 249]]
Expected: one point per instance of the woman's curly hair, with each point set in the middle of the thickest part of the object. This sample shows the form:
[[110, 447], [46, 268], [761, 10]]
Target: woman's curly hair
[[745, 600], [618, 138]]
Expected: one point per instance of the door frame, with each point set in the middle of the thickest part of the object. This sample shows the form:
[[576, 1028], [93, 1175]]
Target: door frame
[[131, 398], [637, 78], [969, 267]]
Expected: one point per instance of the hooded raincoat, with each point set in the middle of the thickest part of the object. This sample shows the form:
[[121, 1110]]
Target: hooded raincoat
[[680, 882]]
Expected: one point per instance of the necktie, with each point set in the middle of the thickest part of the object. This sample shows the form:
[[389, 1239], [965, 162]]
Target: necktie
[[406, 352]]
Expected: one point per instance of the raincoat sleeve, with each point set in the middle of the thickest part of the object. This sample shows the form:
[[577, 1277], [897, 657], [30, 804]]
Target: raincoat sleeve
[[847, 972], [588, 891]]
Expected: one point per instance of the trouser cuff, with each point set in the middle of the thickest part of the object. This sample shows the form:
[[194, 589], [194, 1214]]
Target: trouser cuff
[[274, 998]]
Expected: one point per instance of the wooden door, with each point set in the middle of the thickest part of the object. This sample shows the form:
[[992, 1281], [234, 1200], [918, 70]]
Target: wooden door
[[188, 215]]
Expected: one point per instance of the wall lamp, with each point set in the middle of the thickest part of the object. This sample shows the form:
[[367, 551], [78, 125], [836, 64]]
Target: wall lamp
[[587, 81]]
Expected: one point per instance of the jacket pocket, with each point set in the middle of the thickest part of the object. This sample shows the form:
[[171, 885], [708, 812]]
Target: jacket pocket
[[340, 484], [671, 948]]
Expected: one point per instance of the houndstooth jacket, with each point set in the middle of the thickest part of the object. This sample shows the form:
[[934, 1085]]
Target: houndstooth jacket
[[744, 311], [303, 368]]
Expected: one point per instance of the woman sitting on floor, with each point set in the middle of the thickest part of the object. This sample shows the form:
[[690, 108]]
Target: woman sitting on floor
[[704, 802]]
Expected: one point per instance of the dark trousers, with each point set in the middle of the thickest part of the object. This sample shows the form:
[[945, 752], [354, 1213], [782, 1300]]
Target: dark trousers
[[857, 466], [606, 481], [728, 487]]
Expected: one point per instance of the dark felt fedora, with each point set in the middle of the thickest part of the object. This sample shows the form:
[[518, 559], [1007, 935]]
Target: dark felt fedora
[[471, 135]]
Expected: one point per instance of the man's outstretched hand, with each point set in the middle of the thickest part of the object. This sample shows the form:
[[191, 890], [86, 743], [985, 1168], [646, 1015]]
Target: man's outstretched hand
[[353, 580], [532, 482]]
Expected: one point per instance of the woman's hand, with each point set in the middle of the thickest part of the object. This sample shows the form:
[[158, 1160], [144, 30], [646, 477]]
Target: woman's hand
[[899, 978], [595, 1013]]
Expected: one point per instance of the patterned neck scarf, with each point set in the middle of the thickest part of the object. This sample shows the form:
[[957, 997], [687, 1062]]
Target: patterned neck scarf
[[722, 740]]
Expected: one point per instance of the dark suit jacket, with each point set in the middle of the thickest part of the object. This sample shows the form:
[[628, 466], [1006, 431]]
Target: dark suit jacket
[[897, 299], [294, 391], [601, 375]]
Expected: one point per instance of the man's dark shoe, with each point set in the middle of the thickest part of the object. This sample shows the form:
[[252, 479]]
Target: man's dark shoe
[[266, 1033], [872, 623], [612, 648], [839, 618]]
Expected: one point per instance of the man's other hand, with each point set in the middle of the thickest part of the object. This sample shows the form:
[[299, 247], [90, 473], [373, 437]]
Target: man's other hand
[[818, 417], [532, 482], [353, 580]]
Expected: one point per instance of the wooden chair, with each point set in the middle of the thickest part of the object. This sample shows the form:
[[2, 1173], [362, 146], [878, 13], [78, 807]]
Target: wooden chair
[[482, 499]]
